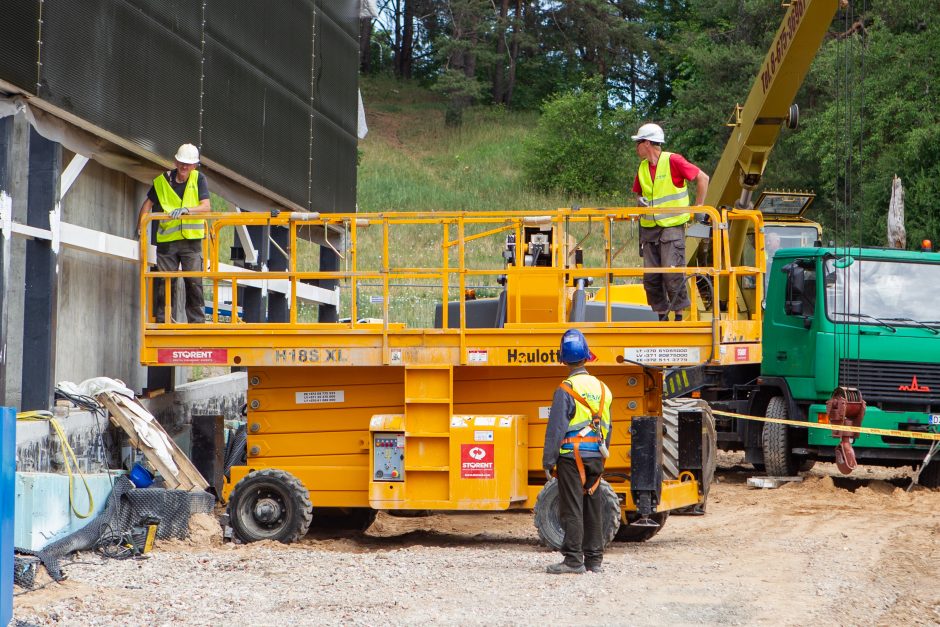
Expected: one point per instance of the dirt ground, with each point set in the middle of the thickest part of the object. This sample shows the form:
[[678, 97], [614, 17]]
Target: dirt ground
[[830, 550]]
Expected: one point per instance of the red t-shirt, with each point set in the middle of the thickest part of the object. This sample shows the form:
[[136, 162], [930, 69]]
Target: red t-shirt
[[681, 171]]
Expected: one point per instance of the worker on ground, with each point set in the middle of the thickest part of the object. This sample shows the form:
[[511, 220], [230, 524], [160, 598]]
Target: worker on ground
[[180, 192], [576, 443], [661, 182]]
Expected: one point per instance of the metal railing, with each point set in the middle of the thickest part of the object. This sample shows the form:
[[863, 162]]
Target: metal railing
[[374, 252]]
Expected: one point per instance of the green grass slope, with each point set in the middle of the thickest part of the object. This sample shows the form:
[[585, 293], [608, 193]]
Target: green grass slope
[[410, 161]]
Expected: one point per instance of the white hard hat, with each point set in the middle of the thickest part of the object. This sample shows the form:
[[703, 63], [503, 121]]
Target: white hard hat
[[652, 132], [187, 154]]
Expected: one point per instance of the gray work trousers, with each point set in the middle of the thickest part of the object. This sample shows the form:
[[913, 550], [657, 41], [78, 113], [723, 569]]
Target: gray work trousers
[[664, 247], [185, 255], [581, 514]]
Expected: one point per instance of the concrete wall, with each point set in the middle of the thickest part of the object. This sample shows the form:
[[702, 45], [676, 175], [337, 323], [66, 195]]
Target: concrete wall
[[15, 293], [97, 320], [98, 304]]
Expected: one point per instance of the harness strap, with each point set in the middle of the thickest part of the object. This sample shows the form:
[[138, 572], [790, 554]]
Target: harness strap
[[576, 441]]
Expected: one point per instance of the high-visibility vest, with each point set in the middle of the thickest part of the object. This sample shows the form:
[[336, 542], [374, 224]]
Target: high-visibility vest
[[592, 390], [185, 228], [663, 193]]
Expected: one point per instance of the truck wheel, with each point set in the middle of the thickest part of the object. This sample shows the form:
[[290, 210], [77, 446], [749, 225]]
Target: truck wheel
[[629, 533], [778, 460], [346, 518], [930, 476], [270, 505], [548, 522]]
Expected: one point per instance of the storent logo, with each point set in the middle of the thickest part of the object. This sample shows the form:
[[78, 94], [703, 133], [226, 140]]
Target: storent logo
[[192, 354]]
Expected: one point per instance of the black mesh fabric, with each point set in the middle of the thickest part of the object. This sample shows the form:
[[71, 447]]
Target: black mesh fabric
[[267, 90], [125, 508], [19, 44]]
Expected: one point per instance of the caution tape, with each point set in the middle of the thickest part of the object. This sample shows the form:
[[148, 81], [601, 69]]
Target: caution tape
[[917, 435]]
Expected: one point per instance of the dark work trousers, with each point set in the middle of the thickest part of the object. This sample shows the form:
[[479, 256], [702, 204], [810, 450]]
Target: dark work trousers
[[581, 514], [664, 247], [185, 255]]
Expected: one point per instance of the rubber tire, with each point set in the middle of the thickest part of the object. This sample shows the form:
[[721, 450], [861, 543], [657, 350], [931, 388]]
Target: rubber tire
[[671, 408], [293, 496], [629, 533], [930, 476], [778, 460], [345, 518], [548, 522]]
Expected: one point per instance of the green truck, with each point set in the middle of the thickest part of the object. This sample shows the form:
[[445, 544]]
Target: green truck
[[865, 318]]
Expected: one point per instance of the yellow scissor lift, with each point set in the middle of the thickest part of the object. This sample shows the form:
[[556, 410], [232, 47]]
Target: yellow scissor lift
[[432, 392]]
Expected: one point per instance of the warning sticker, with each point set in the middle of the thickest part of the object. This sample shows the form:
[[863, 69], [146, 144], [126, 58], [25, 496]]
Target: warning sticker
[[476, 461], [742, 353], [322, 396], [477, 356], [483, 436], [544, 412], [663, 354]]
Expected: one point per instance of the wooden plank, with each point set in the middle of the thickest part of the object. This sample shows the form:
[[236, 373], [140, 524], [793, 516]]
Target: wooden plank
[[769, 483], [120, 420], [191, 478], [181, 476], [187, 476]]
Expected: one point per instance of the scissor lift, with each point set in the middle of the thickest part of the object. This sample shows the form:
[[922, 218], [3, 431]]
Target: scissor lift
[[432, 392]]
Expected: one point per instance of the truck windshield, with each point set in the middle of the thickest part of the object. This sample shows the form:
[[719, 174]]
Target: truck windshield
[[863, 289]]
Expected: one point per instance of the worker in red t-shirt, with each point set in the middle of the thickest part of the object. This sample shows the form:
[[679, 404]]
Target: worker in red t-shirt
[[661, 182]]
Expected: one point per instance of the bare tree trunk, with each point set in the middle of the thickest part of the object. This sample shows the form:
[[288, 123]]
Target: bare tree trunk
[[397, 44], [499, 68], [365, 45], [897, 236], [517, 27], [408, 39]]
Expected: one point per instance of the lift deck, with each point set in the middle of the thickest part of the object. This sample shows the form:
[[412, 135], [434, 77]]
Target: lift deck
[[433, 393]]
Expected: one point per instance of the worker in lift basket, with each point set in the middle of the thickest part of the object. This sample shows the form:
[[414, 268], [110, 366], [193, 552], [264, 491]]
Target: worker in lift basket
[[577, 440], [180, 192], [661, 182]]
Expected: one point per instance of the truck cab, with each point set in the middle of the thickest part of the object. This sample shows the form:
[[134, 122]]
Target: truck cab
[[855, 317]]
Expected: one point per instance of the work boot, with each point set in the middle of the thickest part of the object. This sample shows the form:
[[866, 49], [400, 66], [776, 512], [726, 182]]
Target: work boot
[[594, 568], [664, 316], [563, 569], [678, 316]]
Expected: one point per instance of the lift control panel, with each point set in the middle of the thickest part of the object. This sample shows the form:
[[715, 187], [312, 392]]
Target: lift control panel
[[388, 450]]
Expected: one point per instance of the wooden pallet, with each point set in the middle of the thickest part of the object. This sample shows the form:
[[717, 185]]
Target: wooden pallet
[[121, 410]]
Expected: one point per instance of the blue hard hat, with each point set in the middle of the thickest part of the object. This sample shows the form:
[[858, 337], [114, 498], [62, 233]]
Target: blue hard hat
[[574, 347]]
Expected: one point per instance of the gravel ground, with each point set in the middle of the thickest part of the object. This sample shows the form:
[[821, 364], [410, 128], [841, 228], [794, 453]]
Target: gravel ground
[[806, 553]]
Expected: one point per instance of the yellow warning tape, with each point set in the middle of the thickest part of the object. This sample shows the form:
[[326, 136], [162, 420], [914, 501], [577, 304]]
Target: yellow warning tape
[[917, 435]]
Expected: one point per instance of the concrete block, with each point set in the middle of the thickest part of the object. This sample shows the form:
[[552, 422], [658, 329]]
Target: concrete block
[[42, 513]]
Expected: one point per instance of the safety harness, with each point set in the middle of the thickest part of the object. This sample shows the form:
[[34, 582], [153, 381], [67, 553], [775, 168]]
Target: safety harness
[[582, 436]]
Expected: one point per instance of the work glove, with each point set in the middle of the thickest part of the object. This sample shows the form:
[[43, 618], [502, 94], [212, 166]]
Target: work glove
[[548, 473], [176, 213]]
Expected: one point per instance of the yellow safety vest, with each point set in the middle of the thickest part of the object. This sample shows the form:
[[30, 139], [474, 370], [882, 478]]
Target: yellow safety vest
[[186, 228], [590, 388], [663, 193]]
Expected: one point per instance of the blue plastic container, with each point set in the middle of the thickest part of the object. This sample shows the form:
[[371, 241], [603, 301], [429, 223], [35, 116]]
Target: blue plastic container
[[140, 476]]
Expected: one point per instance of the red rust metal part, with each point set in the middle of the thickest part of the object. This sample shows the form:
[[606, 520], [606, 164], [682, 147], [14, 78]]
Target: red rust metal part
[[845, 407]]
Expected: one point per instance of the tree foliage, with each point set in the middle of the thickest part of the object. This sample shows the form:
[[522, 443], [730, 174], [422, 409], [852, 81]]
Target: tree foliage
[[581, 145], [869, 106]]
